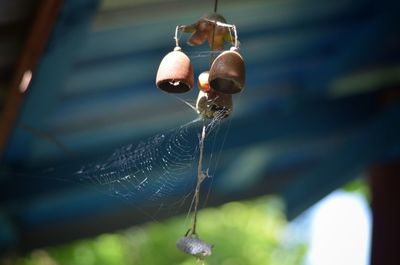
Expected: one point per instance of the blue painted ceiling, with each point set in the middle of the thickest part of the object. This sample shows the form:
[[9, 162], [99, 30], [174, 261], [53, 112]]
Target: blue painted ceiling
[[319, 107]]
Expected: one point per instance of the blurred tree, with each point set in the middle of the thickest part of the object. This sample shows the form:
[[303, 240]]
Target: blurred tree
[[360, 186], [243, 233]]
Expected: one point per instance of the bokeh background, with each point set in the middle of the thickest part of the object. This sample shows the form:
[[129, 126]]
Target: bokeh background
[[77, 80]]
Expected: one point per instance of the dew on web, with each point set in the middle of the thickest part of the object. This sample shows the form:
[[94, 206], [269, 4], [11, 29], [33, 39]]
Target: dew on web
[[162, 166], [152, 168]]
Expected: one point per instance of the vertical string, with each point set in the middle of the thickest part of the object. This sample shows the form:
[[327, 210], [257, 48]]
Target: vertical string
[[212, 56], [235, 35], [176, 37], [200, 178]]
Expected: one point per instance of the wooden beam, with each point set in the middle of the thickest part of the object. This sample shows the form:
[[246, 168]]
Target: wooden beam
[[385, 183], [42, 26]]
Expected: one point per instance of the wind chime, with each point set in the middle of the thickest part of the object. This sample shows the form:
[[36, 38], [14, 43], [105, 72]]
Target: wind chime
[[225, 77]]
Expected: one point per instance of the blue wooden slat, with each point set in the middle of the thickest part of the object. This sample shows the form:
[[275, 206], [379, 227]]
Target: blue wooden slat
[[257, 17], [364, 47]]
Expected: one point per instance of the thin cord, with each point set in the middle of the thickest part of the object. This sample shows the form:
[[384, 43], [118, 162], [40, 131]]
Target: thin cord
[[212, 57], [217, 162], [200, 178], [233, 27], [176, 38], [213, 33]]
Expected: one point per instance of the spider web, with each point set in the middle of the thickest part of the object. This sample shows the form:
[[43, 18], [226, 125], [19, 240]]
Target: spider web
[[162, 166], [152, 169], [155, 177]]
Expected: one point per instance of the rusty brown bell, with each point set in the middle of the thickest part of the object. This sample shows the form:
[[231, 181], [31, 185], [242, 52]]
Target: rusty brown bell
[[175, 73], [227, 72]]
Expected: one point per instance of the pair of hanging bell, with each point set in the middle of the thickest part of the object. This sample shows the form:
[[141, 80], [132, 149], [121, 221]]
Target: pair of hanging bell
[[226, 75]]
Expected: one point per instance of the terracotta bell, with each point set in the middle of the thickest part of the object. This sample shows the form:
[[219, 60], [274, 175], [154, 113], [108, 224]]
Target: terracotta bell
[[175, 73], [227, 72]]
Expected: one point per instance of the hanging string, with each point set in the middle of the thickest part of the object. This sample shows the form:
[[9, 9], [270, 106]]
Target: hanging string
[[212, 57], [178, 30]]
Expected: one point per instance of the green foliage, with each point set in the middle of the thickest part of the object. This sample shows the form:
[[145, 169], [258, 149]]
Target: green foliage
[[243, 233], [360, 185]]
